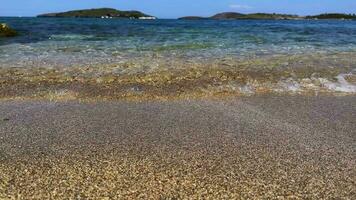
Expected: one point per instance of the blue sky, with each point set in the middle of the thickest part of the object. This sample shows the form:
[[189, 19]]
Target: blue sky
[[177, 8]]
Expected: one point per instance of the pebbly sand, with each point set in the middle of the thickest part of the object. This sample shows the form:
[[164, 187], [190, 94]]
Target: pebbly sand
[[259, 147]]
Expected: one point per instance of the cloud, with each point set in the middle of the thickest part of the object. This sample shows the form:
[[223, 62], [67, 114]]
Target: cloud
[[239, 6]]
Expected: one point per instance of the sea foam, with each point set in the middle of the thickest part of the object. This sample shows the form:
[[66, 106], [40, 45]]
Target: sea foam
[[342, 85]]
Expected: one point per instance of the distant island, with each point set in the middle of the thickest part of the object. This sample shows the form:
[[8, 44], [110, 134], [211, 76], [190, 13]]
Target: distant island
[[113, 13], [100, 13], [333, 16], [240, 16], [270, 16], [232, 15]]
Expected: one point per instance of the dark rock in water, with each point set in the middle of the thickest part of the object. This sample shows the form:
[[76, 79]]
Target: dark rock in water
[[6, 31]]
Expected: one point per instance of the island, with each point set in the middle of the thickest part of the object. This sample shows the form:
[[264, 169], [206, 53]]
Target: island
[[100, 13], [6, 31], [339, 16], [227, 15], [270, 16], [274, 16], [240, 16]]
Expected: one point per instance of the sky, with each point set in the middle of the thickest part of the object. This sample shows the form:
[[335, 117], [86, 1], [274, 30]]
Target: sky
[[179, 8]]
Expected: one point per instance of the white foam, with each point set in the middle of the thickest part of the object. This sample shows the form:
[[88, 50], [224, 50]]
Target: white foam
[[247, 89], [341, 85], [289, 85], [70, 36]]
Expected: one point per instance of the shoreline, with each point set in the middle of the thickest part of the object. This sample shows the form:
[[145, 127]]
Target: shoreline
[[177, 78], [270, 146], [111, 109]]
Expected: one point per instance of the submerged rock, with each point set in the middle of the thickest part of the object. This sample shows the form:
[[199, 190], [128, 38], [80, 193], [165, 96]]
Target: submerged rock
[[6, 31]]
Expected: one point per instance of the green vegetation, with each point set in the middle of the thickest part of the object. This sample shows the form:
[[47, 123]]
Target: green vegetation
[[269, 16], [272, 16], [228, 15], [6, 31], [98, 13], [332, 16], [240, 16]]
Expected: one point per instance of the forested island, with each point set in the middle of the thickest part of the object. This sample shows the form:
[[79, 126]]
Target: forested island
[[240, 16], [113, 13], [232, 15], [333, 16], [271, 16], [100, 13]]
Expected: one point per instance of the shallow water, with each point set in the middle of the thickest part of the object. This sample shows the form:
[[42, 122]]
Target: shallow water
[[74, 41], [292, 56]]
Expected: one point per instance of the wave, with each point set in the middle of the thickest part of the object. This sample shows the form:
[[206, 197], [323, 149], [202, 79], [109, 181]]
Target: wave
[[71, 37], [163, 77], [342, 85]]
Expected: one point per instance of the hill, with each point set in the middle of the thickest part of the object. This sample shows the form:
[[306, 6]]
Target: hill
[[240, 16], [227, 15], [98, 13], [269, 16]]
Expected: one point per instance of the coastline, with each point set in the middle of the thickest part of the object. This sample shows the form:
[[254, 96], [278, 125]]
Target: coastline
[[162, 78], [168, 109], [265, 146]]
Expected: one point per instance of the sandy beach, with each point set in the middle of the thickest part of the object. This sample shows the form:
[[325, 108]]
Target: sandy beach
[[259, 147]]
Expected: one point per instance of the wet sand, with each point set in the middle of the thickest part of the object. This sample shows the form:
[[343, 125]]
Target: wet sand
[[259, 147]]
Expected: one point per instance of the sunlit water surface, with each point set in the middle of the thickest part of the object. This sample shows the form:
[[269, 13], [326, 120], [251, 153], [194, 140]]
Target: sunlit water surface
[[145, 46]]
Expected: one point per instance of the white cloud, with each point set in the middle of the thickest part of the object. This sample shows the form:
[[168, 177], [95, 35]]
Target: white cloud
[[239, 6]]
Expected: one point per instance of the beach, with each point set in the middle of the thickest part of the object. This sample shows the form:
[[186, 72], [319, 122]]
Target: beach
[[101, 108], [260, 147]]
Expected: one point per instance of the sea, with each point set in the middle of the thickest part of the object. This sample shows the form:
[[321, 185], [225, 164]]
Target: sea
[[287, 55]]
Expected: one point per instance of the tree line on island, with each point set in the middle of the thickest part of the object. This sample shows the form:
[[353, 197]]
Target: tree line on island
[[101, 13], [113, 13], [271, 16]]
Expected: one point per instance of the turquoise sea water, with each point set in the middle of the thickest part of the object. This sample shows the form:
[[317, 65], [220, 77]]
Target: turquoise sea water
[[63, 42], [236, 56]]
